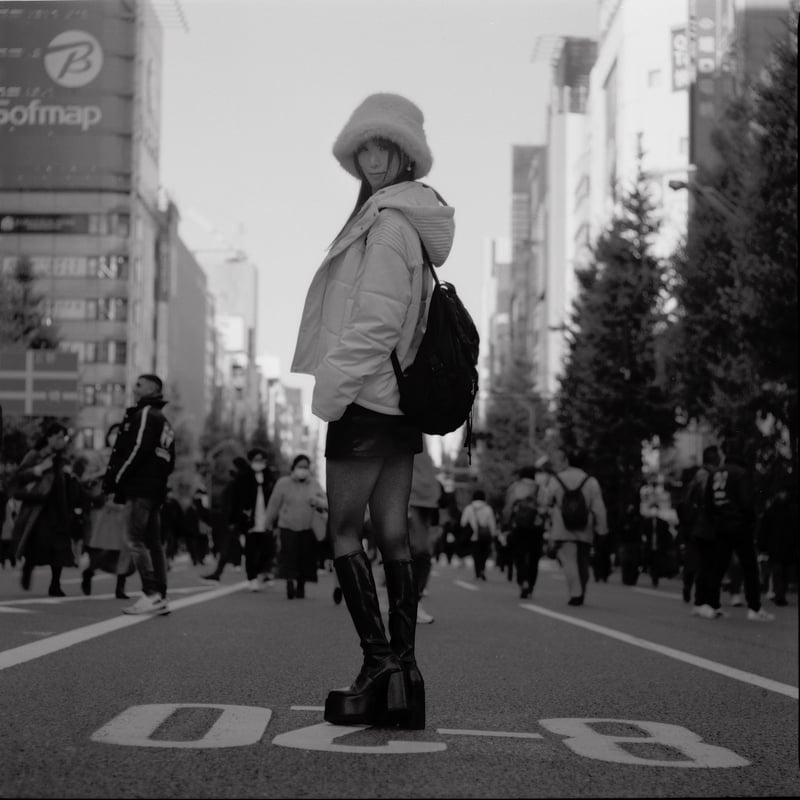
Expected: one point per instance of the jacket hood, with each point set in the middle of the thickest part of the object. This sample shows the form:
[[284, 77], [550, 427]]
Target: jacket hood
[[418, 203]]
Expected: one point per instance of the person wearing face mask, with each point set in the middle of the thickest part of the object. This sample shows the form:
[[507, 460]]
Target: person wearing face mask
[[250, 494], [290, 508]]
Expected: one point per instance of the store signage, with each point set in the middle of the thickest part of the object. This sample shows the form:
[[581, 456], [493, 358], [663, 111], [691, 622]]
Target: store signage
[[44, 223]]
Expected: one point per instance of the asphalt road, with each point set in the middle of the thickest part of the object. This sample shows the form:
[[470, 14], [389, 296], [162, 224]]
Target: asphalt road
[[627, 696]]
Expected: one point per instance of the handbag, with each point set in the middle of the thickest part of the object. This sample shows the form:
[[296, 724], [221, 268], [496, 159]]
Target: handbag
[[319, 524]]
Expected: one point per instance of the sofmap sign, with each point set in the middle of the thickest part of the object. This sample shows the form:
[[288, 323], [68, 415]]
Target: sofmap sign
[[66, 94]]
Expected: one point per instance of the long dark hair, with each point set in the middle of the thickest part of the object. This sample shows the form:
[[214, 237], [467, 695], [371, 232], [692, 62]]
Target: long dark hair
[[405, 173]]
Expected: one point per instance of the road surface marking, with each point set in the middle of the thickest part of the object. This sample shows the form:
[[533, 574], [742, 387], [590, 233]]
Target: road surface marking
[[54, 601], [323, 736], [456, 732], [587, 742], [307, 708], [44, 647], [679, 655], [659, 593], [465, 585], [236, 726], [10, 610]]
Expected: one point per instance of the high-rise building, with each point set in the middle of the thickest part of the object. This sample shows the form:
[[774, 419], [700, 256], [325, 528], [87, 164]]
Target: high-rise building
[[80, 106]]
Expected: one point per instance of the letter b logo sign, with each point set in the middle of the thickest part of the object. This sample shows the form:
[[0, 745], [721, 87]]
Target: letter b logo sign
[[73, 59]]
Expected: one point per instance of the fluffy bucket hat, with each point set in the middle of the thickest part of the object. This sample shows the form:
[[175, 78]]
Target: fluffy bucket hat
[[389, 116]]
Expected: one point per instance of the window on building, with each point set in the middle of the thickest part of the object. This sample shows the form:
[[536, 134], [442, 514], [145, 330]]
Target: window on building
[[98, 224], [74, 347], [654, 78], [117, 394], [112, 267], [119, 352], [89, 394], [112, 308], [120, 224]]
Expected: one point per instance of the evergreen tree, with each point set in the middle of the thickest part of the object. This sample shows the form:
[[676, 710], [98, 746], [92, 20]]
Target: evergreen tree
[[734, 349], [610, 397], [22, 316], [507, 441]]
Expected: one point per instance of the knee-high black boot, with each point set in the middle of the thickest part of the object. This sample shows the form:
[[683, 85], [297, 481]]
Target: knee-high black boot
[[403, 593], [378, 693]]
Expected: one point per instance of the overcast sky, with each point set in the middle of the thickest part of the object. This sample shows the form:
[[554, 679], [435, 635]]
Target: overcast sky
[[256, 92]]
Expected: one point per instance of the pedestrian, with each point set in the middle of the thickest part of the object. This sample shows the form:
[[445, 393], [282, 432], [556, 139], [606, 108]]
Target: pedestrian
[[777, 538], [699, 540], [291, 509], [9, 508], [656, 543], [423, 513], [577, 513], [370, 298], [140, 464], [226, 523], [730, 506], [250, 496], [524, 517], [478, 518], [49, 495], [106, 542]]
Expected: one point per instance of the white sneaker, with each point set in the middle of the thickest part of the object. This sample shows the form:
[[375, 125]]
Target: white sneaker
[[423, 617], [737, 601], [255, 585], [705, 611], [148, 604], [760, 615]]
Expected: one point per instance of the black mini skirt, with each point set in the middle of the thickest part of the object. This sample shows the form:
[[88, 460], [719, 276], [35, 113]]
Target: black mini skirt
[[362, 433]]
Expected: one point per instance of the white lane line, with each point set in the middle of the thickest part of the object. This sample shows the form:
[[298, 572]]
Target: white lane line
[[45, 647], [456, 732], [9, 610], [465, 585], [679, 655], [307, 708], [659, 593], [55, 601]]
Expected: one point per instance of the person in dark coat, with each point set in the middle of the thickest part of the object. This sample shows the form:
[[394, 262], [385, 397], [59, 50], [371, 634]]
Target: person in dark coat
[[49, 495], [730, 506], [140, 464], [778, 539], [657, 544], [250, 493]]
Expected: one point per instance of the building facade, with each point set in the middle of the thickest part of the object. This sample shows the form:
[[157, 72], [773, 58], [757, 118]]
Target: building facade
[[79, 159]]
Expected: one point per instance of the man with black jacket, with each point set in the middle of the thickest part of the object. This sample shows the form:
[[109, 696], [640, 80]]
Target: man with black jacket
[[141, 461], [730, 506]]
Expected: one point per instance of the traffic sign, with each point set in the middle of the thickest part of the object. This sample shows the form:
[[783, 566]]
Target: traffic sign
[[39, 382]]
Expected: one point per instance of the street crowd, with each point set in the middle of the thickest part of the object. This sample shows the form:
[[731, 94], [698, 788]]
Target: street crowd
[[57, 513]]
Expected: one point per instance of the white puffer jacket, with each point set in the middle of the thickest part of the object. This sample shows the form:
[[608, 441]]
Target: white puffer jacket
[[366, 299]]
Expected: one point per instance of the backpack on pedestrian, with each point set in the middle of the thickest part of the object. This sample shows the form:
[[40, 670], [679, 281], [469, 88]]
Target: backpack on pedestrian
[[525, 516], [438, 389], [574, 508]]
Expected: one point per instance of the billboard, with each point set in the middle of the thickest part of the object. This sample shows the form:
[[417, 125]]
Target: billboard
[[67, 94], [39, 382]]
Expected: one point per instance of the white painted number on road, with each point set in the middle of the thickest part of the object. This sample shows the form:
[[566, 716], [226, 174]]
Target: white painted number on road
[[585, 741], [324, 736], [237, 726]]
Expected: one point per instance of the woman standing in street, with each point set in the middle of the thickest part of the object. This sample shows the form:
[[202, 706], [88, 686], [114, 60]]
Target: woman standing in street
[[370, 297], [291, 506]]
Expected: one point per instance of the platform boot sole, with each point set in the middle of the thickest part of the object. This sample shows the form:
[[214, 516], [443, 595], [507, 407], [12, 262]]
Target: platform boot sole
[[384, 698]]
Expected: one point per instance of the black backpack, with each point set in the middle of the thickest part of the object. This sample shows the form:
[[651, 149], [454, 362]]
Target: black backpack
[[525, 515], [574, 508], [438, 390]]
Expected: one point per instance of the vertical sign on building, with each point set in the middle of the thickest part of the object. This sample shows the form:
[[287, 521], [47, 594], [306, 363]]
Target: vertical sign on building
[[679, 47], [711, 30]]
